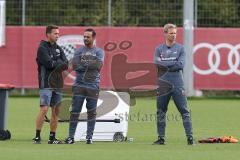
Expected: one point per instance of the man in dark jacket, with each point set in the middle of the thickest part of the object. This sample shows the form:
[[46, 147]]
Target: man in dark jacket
[[51, 63]]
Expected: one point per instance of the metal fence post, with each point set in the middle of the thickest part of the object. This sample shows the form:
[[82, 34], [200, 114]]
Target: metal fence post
[[23, 24], [23, 12], [188, 44], [109, 12]]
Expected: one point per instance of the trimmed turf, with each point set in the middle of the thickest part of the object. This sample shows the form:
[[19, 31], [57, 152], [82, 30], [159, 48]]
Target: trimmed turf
[[211, 117]]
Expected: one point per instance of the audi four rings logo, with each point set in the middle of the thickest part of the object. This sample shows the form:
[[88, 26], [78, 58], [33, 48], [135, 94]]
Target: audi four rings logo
[[214, 63]]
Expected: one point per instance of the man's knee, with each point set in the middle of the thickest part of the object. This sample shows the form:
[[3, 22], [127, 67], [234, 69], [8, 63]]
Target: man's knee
[[74, 117], [44, 110], [186, 116], [161, 115], [184, 111], [55, 111], [92, 114]]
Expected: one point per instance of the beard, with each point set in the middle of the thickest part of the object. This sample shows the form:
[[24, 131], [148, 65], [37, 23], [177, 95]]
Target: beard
[[86, 42]]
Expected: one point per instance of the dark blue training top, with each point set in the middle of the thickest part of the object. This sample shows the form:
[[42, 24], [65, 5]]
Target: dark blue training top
[[171, 60], [87, 63]]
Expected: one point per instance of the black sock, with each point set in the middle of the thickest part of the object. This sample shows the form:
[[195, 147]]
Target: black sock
[[38, 133], [52, 135]]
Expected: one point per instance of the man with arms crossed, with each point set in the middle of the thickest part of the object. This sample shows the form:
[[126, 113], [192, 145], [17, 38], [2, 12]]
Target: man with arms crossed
[[169, 59], [87, 62], [51, 63]]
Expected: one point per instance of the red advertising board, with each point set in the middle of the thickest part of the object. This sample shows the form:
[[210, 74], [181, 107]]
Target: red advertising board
[[216, 59], [129, 55]]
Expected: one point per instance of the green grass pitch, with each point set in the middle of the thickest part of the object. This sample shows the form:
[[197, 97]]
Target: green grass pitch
[[211, 117]]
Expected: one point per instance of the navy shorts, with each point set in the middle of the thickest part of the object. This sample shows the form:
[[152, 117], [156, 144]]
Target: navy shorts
[[50, 97]]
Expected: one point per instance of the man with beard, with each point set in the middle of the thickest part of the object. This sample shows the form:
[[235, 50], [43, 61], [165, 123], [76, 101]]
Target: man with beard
[[87, 62]]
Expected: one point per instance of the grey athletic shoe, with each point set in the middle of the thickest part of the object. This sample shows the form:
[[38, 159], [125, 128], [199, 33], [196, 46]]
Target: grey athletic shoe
[[37, 140], [190, 141], [54, 141], [69, 140], [89, 141], [160, 141]]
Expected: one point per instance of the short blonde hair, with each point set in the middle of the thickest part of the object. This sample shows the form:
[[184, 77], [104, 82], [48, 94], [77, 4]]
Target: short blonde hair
[[168, 26]]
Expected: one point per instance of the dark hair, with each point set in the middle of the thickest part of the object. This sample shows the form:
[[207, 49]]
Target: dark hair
[[91, 30], [50, 28]]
